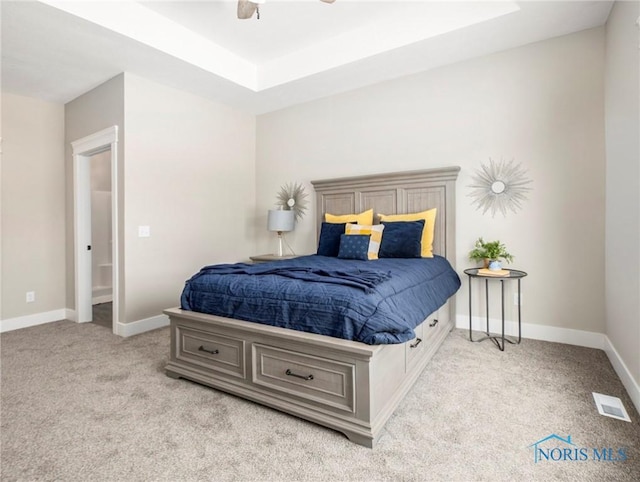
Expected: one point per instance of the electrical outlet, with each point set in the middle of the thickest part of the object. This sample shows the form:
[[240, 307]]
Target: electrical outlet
[[31, 296], [144, 231], [517, 300]]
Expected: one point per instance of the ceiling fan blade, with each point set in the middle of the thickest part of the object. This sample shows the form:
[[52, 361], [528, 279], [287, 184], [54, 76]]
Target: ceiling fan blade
[[246, 9], [328, 1]]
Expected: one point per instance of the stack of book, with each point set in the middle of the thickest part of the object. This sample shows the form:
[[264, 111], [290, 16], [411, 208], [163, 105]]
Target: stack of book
[[493, 272]]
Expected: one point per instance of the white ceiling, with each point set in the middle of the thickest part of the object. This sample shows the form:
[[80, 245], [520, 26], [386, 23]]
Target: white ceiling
[[297, 51]]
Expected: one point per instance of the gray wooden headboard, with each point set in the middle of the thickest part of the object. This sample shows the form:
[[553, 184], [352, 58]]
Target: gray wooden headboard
[[396, 193]]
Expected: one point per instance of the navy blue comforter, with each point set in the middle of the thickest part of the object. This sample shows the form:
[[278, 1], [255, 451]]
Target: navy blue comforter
[[374, 302]]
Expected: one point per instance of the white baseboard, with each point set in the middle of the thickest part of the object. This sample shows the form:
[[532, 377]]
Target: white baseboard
[[536, 332], [632, 386], [96, 300], [569, 336], [32, 320], [123, 329], [140, 326]]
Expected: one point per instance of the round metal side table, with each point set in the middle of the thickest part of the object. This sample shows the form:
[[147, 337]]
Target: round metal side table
[[514, 274]]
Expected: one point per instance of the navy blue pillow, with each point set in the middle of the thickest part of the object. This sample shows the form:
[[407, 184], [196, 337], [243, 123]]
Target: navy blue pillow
[[329, 242], [354, 246], [402, 239]]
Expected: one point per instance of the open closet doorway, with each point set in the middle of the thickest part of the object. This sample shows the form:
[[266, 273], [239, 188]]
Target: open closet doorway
[[101, 239], [96, 227]]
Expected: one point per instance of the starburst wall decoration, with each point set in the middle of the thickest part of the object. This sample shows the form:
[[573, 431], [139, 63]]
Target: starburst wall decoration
[[500, 186], [292, 197]]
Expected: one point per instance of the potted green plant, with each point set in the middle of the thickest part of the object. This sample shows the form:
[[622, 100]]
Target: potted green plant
[[490, 253]]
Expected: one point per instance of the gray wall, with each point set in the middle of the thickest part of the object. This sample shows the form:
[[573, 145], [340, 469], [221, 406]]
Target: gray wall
[[98, 109], [622, 94], [541, 105], [190, 176], [189, 170], [33, 206]]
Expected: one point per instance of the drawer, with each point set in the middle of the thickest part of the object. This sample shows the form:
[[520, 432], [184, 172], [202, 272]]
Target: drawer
[[432, 325], [211, 350], [323, 381], [444, 314], [415, 347]]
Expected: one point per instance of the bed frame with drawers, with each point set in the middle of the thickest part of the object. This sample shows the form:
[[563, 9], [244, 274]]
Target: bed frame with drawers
[[344, 385]]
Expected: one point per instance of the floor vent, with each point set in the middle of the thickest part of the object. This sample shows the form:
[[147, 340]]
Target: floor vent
[[610, 407]]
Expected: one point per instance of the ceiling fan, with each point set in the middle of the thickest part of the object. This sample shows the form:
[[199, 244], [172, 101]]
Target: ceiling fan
[[247, 8]]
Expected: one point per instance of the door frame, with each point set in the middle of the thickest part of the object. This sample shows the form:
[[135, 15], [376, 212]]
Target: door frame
[[82, 150]]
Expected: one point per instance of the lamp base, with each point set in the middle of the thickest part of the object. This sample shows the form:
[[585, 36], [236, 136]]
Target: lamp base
[[281, 248], [280, 245]]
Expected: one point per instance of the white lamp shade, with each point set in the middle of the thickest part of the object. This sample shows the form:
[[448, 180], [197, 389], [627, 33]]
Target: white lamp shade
[[280, 220]]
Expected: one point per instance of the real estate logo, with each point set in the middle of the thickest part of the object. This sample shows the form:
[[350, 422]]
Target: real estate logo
[[554, 448]]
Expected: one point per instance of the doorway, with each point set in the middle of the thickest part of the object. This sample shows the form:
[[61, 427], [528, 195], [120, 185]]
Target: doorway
[[90, 269], [101, 239]]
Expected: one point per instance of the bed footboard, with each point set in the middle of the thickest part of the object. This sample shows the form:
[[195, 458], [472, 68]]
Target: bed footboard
[[347, 386]]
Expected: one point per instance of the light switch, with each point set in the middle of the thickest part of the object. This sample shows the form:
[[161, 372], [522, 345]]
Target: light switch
[[144, 231]]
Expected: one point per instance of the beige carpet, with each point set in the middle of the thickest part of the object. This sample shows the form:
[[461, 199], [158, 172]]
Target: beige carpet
[[103, 315], [79, 403]]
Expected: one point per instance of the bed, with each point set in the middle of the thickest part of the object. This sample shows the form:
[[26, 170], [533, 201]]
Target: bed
[[348, 385]]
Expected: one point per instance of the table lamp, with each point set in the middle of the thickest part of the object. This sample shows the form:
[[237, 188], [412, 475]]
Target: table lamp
[[280, 221]]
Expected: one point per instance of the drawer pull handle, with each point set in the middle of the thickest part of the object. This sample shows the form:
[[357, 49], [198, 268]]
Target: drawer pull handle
[[291, 374], [213, 352], [418, 341], [433, 323]]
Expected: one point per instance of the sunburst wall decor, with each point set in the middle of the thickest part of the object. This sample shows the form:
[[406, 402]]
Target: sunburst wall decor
[[292, 197], [500, 186]]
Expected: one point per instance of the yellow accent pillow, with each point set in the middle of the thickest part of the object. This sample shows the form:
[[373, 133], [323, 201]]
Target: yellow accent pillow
[[365, 217], [429, 217], [375, 231]]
